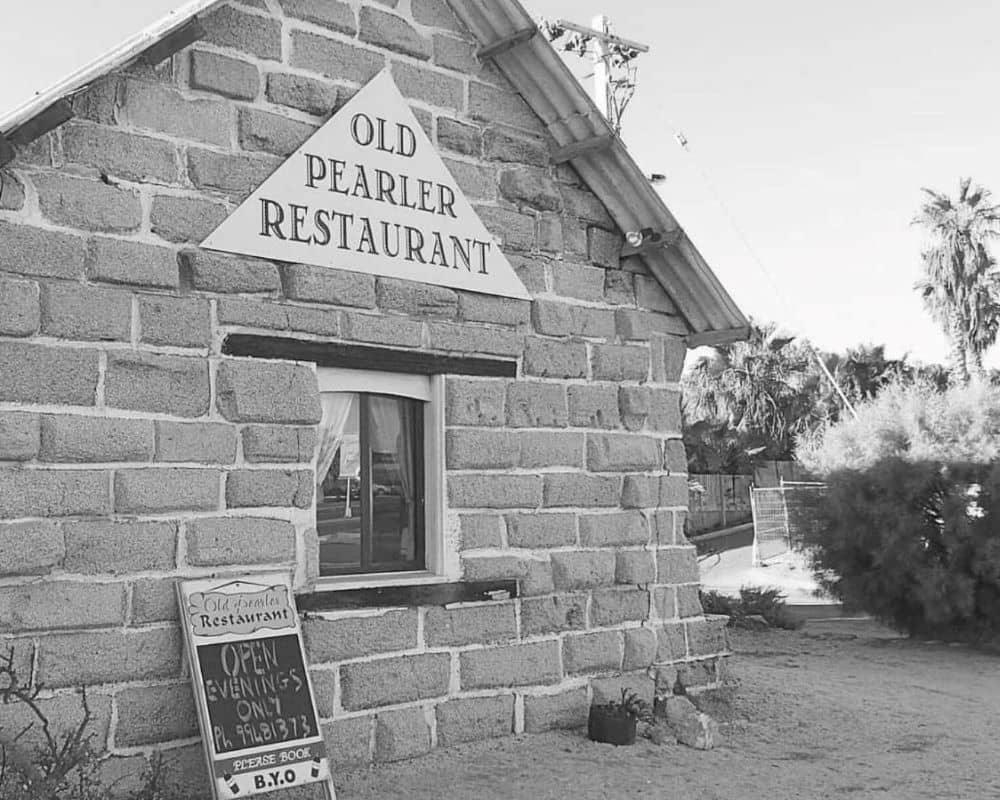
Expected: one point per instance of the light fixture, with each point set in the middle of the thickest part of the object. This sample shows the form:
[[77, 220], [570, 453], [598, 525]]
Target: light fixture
[[642, 237]]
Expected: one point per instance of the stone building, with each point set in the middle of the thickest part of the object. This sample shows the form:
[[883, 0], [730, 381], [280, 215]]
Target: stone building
[[481, 497]]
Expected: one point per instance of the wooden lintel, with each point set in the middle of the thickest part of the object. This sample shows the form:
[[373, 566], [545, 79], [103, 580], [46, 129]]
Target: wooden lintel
[[508, 43], [713, 338], [668, 239], [7, 152], [46, 120], [576, 149], [189, 33]]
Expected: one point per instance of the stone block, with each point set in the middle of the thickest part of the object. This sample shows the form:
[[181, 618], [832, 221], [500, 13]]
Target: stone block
[[119, 154], [530, 187], [382, 330], [640, 648], [665, 601], [671, 644], [583, 569], [196, 442], [271, 133], [389, 681], [91, 658], [690, 726], [318, 98], [30, 548], [154, 491], [604, 247], [31, 373], [147, 382], [53, 493], [51, 605], [235, 174], [418, 299], [500, 145], [332, 14], [185, 219], [513, 230], [546, 358], [20, 309], [249, 33], [634, 567], [20, 436], [333, 286], [673, 491], [428, 86], [688, 601], [585, 205], [133, 263], [279, 443], [480, 531], [459, 137], [562, 319], [634, 325], [401, 734], [348, 741], [613, 530], [159, 108], [474, 719], [513, 665], [675, 456], [486, 490], [257, 488], [537, 405], [11, 193], [545, 449], [478, 340], [239, 540], [561, 612], [258, 391], [470, 448], [592, 652], [87, 204], [66, 714], [153, 600], [612, 362], [498, 105], [578, 280], [494, 568], [668, 354], [334, 58], [707, 637], [72, 311], [537, 579], [641, 491], [593, 407], [607, 452], [539, 531], [614, 606], [98, 101], [606, 689], [619, 289], [649, 293], [230, 77], [106, 547], [216, 272], [391, 32], [152, 714], [342, 638], [491, 309], [677, 565], [36, 251], [71, 438], [474, 402], [566, 710], [574, 489], [474, 624]]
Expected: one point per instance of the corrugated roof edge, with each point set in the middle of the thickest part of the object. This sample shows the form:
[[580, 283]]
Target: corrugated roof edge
[[553, 93]]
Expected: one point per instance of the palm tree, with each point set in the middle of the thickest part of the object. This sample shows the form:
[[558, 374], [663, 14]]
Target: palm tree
[[960, 281]]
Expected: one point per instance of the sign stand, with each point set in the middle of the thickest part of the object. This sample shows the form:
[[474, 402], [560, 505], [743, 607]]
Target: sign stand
[[259, 726]]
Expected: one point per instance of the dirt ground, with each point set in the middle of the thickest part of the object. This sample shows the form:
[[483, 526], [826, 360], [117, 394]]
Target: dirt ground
[[837, 709]]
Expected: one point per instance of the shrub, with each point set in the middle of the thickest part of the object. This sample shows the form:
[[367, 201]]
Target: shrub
[[753, 601], [915, 544], [912, 421]]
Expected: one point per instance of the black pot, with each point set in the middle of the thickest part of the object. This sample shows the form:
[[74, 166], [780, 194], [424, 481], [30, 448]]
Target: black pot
[[611, 725]]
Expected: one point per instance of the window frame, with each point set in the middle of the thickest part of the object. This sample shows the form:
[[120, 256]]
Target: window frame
[[430, 389]]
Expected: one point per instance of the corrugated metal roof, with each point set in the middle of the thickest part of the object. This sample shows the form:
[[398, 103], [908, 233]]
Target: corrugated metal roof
[[538, 73]]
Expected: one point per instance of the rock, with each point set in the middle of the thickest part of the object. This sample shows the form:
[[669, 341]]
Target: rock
[[690, 726]]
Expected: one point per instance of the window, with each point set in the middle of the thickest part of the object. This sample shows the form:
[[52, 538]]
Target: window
[[379, 474]]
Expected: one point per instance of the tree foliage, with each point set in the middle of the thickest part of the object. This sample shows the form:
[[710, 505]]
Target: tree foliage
[[960, 283]]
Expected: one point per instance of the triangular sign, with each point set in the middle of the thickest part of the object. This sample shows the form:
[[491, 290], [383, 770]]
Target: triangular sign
[[369, 193]]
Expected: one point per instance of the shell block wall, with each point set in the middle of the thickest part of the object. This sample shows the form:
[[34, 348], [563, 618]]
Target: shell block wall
[[134, 452]]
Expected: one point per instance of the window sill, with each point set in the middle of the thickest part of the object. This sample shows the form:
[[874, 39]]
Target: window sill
[[400, 589]]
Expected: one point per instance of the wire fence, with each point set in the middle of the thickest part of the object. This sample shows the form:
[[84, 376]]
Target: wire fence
[[782, 518]]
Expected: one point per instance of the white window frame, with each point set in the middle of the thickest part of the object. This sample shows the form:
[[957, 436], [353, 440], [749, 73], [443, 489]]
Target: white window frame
[[430, 390]]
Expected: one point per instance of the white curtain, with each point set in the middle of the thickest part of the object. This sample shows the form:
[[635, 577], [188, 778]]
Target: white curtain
[[336, 409], [392, 416]]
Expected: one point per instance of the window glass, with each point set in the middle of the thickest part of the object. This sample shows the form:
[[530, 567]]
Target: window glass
[[370, 497]]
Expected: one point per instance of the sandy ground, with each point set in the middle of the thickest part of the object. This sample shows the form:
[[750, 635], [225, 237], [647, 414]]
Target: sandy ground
[[838, 709]]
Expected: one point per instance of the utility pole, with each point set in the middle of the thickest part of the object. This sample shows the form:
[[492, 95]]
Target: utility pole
[[614, 71]]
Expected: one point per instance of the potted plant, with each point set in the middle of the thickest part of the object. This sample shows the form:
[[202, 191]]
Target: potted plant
[[614, 722]]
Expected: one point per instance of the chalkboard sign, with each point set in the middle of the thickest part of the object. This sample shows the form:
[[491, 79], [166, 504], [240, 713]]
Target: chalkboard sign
[[255, 703]]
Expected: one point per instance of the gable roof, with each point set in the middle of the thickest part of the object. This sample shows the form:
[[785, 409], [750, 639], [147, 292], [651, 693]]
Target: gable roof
[[509, 36]]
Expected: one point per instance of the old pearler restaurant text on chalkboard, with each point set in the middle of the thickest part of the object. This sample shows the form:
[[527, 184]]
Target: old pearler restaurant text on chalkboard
[[328, 226]]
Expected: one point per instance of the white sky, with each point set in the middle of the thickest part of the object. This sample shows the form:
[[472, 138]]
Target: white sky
[[816, 123]]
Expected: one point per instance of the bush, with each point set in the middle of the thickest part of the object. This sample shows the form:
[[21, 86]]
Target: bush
[[753, 602], [913, 421], [914, 543]]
